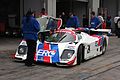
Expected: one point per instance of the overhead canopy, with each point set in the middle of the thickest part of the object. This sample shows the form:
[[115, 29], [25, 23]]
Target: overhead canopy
[[82, 0], [73, 0]]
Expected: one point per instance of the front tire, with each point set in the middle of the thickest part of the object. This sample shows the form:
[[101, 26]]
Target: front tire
[[80, 54]]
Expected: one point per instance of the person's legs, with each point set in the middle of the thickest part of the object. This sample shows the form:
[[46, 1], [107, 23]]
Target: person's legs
[[116, 29], [118, 32], [31, 50]]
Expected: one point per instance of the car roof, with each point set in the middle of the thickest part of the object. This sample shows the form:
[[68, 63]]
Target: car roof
[[71, 32]]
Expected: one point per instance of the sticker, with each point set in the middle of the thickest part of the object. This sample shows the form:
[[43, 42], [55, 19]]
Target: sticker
[[46, 52]]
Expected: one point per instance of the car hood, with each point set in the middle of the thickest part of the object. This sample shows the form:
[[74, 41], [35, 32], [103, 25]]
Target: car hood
[[49, 52]]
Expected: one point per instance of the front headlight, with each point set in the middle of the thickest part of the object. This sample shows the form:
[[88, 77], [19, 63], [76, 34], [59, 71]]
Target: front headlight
[[67, 54], [22, 49], [70, 55]]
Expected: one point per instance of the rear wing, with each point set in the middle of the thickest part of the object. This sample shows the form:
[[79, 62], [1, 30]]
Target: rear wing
[[100, 31], [48, 22], [92, 31]]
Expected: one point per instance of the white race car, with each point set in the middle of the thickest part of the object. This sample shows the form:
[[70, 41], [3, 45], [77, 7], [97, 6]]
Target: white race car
[[67, 47]]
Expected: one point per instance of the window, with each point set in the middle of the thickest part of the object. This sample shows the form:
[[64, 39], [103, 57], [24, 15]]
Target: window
[[60, 37]]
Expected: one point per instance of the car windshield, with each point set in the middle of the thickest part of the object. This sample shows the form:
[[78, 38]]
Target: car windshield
[[60, 37], [52, 24]]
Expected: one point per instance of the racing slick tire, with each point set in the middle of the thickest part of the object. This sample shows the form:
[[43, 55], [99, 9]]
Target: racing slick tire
[[104, 46], [80, 54]]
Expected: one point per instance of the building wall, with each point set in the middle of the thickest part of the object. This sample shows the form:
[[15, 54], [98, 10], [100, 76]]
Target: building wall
[[51, 8], [95, 6], [82, 0], [80, 8], [118, 4], [7, 8], [36, 5], [111, 6]]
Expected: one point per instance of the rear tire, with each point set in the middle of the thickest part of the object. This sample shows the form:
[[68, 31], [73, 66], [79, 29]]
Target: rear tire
[[104, 47], [80, 54]]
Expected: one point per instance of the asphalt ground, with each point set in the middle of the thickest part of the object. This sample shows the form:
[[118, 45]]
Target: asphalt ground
[[104, 67], [9, 43]]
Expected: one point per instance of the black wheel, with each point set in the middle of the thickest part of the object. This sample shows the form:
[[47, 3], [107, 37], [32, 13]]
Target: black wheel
[[80, 54], [104, 46]]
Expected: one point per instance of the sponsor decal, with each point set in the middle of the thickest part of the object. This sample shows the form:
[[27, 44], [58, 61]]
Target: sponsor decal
[[46, 52]]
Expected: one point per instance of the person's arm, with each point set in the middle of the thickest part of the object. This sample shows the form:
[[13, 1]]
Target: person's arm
[[68, 23], [99, 23], [77, 22], [36, 25]]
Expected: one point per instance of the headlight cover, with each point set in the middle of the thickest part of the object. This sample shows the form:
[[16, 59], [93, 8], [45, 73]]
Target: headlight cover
[[22, 49], [67, 54]]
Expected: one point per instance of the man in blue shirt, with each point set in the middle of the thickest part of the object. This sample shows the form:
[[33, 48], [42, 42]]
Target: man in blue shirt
[[30, 28], [94, 22], [73, 21]]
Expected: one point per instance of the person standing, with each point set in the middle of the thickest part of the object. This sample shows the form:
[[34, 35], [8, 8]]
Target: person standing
[[100, 17], [73, 21], [85, 21], [94, 22], [103, 24], [108, 22], [43, 12], [64, 20], [30, 28], [117, 30]]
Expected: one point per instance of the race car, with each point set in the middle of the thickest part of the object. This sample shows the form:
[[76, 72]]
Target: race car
[[66, 47]]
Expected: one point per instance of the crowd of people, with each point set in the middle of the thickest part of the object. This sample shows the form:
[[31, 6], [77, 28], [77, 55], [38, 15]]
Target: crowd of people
[[95, 21], [72, 20]]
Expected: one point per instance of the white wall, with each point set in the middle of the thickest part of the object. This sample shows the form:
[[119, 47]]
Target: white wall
[[51, 8], [95, 6]]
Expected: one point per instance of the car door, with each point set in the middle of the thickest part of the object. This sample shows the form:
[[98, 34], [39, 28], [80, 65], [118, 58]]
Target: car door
[[91, 47]]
